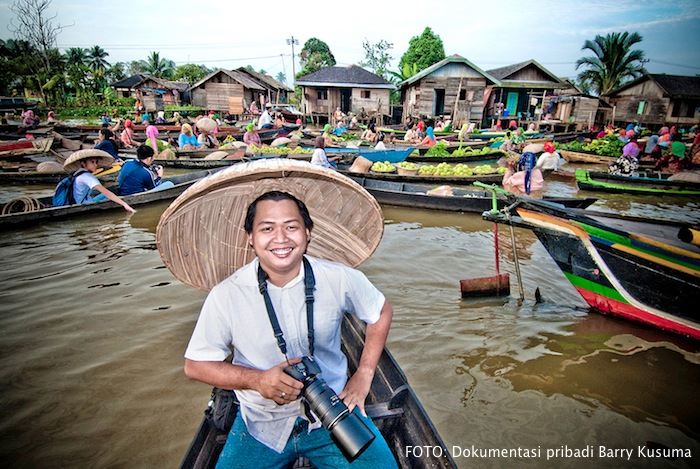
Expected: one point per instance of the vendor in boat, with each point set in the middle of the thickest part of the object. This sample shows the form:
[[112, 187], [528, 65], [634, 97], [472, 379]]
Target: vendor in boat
[[82, 164], [207, 128], [178, 119], [549, 160], [251, 137], [664, 138], [411, 135], [105, 142], [154, 142], [319, 157], [328, 135], [187, 140], [265, 121], [522, 175], [338, 116], [675, 160], [127, 135], [160, 119], [140, 175], [429, 139], [370, 134], [380, 142], [253, 109], [273, 428], [279, 121], [51, 117], [627, 164], [652, 150], [29, 119]]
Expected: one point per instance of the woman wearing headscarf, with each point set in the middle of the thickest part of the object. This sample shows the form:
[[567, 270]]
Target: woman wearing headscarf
[[327, 138], [429, 137], [187, 140], [664, 137], [152, 140], [522, 176], [627, 163], [675, 160], [251, 137], [550, 159], [652, 151], [127, 135], [160, 119]]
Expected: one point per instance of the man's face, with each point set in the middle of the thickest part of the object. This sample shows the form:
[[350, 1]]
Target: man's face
[[279, 237]]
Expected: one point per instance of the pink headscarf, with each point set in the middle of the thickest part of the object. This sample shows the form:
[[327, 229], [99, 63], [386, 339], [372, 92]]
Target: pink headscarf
[[152, 134], [128, 124], [629, 133], [631, 149], [663, 131], [512, 124]]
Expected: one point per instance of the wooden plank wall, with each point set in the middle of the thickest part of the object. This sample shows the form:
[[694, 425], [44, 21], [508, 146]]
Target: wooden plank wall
[[425, 95], [218, 94]]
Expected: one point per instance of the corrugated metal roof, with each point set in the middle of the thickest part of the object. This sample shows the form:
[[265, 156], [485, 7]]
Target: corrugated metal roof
[[352, 75]]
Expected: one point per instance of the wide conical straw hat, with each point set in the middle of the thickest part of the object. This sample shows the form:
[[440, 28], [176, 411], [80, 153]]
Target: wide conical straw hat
[[73, 161], [201, 236]]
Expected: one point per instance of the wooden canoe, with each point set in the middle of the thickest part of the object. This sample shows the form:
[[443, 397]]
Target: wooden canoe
[[494, 155], [25, 147], [49, 213], [459, 180], [416, 196], [579, 157], [391, 403], [654, 185]]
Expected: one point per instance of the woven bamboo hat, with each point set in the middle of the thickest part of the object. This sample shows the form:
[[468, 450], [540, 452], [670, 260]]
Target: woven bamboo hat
[[73, 161], [206, 124], [201, 238]]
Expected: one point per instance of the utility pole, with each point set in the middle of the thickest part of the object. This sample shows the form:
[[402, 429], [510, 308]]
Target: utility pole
[[292, 41]]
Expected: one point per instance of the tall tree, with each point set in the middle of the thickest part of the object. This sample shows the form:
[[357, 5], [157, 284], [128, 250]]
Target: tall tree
[[96, 58], [315, 55], [116, 72], [157, 66], [423, 50], [281, 77], [377, 56], [76, 56], [404, 73], [613, 61], [191, 73]]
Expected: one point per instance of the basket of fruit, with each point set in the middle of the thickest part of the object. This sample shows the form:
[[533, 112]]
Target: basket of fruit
[[383, 167], [407, 169]]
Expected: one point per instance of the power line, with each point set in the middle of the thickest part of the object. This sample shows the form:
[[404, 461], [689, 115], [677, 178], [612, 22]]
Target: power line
[[674, 64]]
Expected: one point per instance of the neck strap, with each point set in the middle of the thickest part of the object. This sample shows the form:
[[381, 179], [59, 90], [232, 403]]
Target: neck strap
[[309, 287]]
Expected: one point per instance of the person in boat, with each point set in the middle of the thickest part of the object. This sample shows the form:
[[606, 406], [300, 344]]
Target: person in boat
[[160, 118], [253, 109], [327, 135], [518, 138], [675, 159], [187, 140], [522, 175], [439, 125], [319, 157], [105, 142], [512, 125], [279, 121], [380, 142], [531, 127], [272, 428], [51, 117], [420, 127], [265, 121], [154, 142], [140, 175], [429, 137], [664, 138], [550, 160], [363, 115], [87, 188], [627, 164], [178, 119], [652, 150], [146, 118], [338, 116], [105, 120], [207, 128], [29, 119], [411, 135], [448, 125], [127, 135], [251, 137]]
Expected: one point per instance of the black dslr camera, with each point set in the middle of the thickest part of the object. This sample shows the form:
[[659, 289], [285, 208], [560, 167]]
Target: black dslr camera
[[348, 431]]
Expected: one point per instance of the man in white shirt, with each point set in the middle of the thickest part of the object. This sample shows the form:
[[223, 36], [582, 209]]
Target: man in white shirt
[[265, 120]]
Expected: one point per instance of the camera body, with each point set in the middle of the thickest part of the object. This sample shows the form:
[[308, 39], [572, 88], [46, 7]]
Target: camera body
[[156, 168], [347, 430]]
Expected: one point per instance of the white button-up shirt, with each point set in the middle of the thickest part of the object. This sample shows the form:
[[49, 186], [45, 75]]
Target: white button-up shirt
[[234, 317]]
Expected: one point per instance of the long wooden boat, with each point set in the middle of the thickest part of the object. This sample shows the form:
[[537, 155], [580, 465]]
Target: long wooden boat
[[463, 180], [392, 155], [579, 157], [489, 134], [36, 177], [492, 155], [640, 269], [25, 147], [49, 213], [653, 185], [392, 404], [416, 196], [450, 146]]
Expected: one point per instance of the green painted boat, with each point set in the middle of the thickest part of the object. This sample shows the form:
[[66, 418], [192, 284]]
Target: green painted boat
[[651, 185]]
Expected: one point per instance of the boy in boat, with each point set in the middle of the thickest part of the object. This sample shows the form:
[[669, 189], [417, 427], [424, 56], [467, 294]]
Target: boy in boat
[[140, 176], [272, 428]]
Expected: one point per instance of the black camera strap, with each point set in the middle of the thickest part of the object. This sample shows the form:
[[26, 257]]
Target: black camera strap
[[309, 286]]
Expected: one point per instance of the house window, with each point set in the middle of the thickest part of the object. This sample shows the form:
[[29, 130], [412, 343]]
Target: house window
[[642, 107], [322, 95], [684, 108], [462, 95], [366, 94]]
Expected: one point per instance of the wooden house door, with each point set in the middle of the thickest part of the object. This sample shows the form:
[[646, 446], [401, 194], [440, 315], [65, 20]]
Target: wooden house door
[[439, 102], [345, 98], [512, 103]]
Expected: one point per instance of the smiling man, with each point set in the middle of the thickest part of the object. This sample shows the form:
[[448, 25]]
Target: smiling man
[[272, 428]]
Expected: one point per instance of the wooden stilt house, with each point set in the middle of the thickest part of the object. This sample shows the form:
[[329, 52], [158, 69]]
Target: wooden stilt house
[[229, 91]]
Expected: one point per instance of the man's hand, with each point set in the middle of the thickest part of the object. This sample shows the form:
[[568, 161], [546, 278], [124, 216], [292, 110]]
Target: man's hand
[[356, 389], [277, 385]]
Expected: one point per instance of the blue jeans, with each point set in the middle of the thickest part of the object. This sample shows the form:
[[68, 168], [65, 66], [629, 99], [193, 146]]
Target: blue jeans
[[243, 451]]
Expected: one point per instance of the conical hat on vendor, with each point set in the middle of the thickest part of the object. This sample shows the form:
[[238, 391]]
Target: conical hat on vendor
[[105, 160]]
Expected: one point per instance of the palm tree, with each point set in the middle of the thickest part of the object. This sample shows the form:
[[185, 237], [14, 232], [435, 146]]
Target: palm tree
[[157, 66], [96, 58], [614, 61], [406, 72], [76, 56]]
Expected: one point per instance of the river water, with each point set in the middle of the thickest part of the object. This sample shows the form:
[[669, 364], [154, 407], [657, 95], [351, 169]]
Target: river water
[[94, 328]]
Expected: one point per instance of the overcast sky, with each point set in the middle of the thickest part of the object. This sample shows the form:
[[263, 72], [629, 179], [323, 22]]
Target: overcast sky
[[491, 34]]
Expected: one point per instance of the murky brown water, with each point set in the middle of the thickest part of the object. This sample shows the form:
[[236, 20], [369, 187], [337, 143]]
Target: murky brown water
[[94, 328]]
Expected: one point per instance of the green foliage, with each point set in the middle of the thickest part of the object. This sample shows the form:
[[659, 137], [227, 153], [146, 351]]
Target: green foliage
[[423, 50], [92, 111], [608, 146], [281, 77], [191, 73], [96, 58], [613, 61], [315, 55], [377, 56], [158, 66]]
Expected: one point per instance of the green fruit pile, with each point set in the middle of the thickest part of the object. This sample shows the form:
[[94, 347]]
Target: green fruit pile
[[439, 149], [444, 169], [268, 150], [469, 151], [383, 167], [608, 146], [407, 165]]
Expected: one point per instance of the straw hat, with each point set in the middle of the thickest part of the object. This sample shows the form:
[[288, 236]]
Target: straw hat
[[206, 124], [73, 161], [201, 238]]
